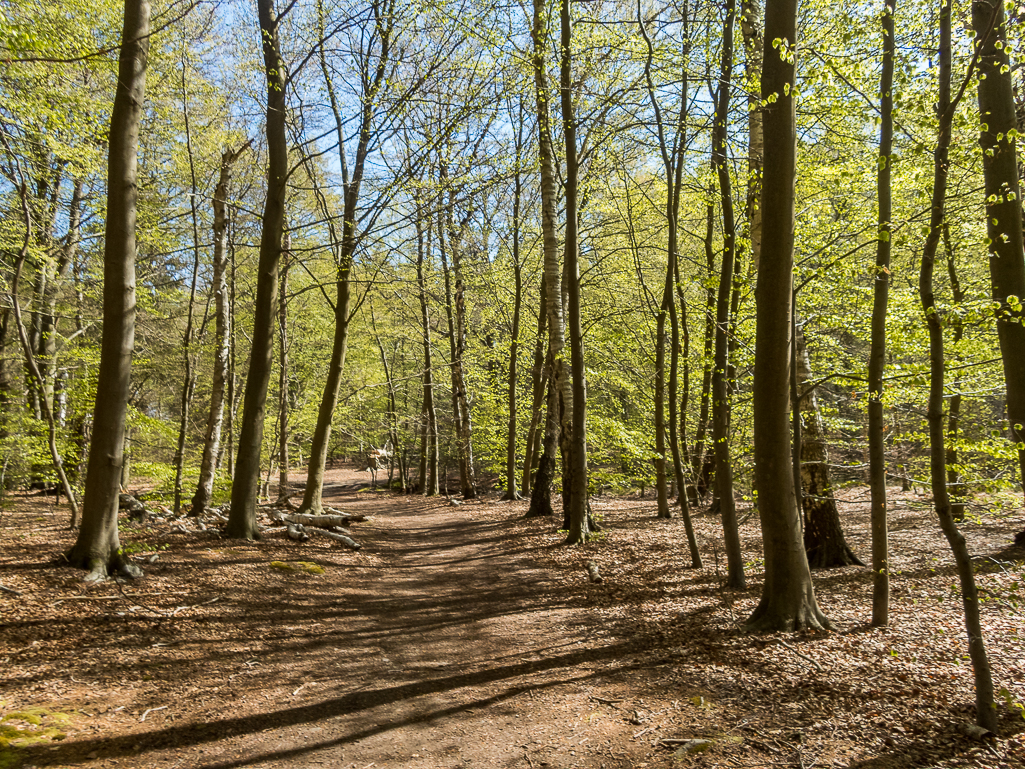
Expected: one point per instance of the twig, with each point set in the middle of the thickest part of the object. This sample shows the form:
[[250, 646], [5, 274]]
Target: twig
[[151, 710], [10, 590], [787, 646]]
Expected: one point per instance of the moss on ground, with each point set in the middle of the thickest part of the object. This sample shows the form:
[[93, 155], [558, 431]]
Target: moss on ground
[[29, 726], [304, 567]]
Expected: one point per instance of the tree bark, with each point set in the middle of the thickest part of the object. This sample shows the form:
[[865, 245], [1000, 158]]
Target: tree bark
[[98, 548], [788, 597], [246, 483], [877, 353]]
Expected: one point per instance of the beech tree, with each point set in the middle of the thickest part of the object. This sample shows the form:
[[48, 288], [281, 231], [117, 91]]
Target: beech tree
[[98, 547], [788, 597]]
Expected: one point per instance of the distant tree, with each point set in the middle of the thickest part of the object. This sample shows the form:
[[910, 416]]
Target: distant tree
[[222, 334]]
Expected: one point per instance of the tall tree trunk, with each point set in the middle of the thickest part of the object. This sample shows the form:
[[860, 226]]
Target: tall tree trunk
[[430, 450], [372, 80], [1003, 208], [877, 353], [823, 534], [672, 163], [189, 380], [985, 712], [788, 597], [575, 474], [283, 405], [222, 334], [540, 500], [98, 548], [720, 387], [704, 460], [539, 384], [246, 484]]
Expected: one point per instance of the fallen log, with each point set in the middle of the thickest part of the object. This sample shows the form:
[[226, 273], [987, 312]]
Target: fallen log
[[592, 573], [347, 541], [297, 532], [320, 521]]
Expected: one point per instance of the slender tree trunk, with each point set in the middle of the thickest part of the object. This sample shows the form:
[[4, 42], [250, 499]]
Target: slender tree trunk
[[540, 501], [1003, 208], [429, 446], [222, 333], [788, 597], [985, 711], [189, 379], [229, 418], [703, 459], [246, 485], [283, 405], [720, 387], [514, 344], [877, 353], [539, 383], [98, 548], [574, 476], [955, 482], [823, 534], [372, 79]]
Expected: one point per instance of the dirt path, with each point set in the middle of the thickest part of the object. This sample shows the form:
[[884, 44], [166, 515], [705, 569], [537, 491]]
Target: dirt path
[[444, 645], [467, 637]]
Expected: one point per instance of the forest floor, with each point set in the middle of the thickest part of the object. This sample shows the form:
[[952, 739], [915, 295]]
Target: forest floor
[[467, 636]]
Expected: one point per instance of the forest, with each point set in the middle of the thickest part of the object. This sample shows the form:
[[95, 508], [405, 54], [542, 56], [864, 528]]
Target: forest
[[738, 285]]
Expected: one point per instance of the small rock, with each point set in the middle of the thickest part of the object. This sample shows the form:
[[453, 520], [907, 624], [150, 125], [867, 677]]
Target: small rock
[[693, 746]]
